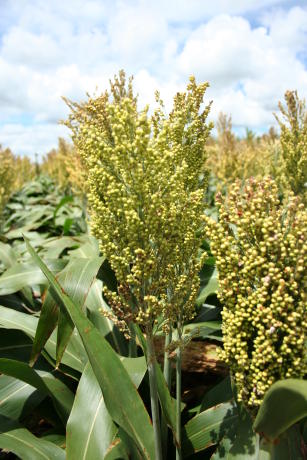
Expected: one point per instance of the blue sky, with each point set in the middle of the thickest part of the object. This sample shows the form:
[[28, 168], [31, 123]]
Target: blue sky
[[250, 51]]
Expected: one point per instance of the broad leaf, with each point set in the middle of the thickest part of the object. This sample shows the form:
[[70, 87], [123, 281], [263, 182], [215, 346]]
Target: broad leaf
[[208, 428], [26, 274], [92, 437], [14, 438], [76, 279], [274, 418], [74, 353], [123, 401], [45, 382], [17, 398]]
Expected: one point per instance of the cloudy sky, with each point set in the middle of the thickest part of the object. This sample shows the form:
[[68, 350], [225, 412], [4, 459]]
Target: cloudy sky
[[250, 51]]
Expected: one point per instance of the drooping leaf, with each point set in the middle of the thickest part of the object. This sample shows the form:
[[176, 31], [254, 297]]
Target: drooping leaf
[[208, 428], [17, 398], [123, 401], [45, 382], [14, 438], [210, 287], [76, 279], [26, 274], [220, 393], [92, 437], [74, 353], [273, 418]]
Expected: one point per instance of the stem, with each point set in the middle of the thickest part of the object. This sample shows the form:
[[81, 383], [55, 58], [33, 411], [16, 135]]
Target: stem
[[167, 371], [151, 362], [178, 393], [132, 347]]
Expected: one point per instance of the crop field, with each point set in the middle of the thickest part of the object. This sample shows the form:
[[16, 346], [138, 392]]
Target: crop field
[[153, 286]]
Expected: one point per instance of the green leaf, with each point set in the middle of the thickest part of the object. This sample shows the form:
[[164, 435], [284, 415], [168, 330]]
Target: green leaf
[[74, 353], [211, 287], [274, 418], [208, 428], [76, 279], [220, 393], [46, 324], [26, 274], [17, 398], [66, 199], [117, 451], [94, 302], [7, 255], [290, 446], [45, 382], [122, 400], [240, 442], [168, 404], [24, 444], [85, 440], [15, 345]]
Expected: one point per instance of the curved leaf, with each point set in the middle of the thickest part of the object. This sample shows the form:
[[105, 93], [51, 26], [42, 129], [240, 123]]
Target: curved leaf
[[26, 274], [211, 287], [123, 401], [208, 428], [17, 398], [24, 444], [274, 418], [76, 279], [85, 440], [43, 381], [74, 353]]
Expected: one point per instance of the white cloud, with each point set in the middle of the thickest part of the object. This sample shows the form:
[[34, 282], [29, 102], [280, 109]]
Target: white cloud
[[28, 140], [50, 49]]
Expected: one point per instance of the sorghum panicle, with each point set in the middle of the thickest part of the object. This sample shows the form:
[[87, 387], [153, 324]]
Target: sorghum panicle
[[293, 140], [146, 196], [261, 253]]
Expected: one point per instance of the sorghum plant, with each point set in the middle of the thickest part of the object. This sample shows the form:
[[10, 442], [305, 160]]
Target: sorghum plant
[[65, 165], [230, 158], [293, 140], [7, 176], [146, 183], [261, 254]]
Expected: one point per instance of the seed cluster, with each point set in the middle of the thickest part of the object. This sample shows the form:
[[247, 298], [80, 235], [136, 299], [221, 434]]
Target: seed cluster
[[261, 253], [293, 140], [146, 183]]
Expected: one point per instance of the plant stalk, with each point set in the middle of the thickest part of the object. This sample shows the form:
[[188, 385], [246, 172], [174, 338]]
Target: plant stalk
[[167, 371], [151, 362], [178, 393], [132, 347]]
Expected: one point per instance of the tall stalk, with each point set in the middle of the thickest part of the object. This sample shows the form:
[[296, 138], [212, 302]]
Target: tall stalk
[[151, 363], [167, 371], [178, 392], [132, 347]]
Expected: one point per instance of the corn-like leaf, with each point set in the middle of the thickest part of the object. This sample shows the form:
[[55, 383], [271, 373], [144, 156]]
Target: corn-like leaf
[[74, 355], [274, 418], [14, 438], [121, 397], [45, 382], [208, 427]]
